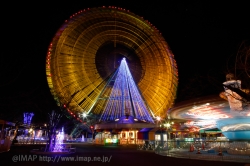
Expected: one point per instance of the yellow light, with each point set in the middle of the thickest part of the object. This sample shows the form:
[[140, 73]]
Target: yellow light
[[167, 125], [83, 90], [84, 114], [158, 118]]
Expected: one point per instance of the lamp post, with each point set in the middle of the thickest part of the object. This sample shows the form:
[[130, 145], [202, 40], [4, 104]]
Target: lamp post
[[168, 126], [158, 119], [83, 115]]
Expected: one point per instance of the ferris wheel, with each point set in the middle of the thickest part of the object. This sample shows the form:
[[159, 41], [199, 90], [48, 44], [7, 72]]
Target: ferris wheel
[[88, 48]]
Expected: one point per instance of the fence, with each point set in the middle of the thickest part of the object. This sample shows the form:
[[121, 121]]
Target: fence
[[43, 140], [204, 150]]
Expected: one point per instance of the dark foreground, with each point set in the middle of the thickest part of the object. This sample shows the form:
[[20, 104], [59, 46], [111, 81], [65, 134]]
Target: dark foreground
[[88, 154]]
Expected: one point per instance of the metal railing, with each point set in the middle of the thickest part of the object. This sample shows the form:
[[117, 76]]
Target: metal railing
[[237, 151], [44, 140]]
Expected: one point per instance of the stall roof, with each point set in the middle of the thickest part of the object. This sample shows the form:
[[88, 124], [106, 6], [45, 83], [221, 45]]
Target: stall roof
[[145, 129], [7, 123], [143, 133], [211, 131]]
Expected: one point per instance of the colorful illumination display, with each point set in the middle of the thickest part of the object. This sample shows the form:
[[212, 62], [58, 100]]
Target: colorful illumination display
[[59, 141], [27, 117], [202, 113], [214, 112], [111, 140], [206, 111], [76, 75], [202, 124], [125, 98]]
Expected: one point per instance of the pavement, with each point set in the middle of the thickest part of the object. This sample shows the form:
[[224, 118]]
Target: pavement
[[91, 154], [206, 155]]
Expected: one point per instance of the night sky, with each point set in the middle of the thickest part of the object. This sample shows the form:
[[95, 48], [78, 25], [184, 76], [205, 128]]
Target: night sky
[[203, 36]]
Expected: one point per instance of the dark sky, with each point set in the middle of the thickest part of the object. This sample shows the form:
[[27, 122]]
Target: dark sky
[[202, 35]]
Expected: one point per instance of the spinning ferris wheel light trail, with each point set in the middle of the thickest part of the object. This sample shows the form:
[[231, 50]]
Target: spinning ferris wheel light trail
[[80, 61]]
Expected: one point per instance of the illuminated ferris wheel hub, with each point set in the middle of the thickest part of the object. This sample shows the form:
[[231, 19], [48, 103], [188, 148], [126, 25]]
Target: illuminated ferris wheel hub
[[86, 53]]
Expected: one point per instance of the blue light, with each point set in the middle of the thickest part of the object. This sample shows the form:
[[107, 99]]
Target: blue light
[[27, 118], [237, 128], [125, 98], [59, 142]]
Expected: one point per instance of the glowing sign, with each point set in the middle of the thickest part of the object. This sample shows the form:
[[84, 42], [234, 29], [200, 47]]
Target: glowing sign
[[189, 139], [110, 140]]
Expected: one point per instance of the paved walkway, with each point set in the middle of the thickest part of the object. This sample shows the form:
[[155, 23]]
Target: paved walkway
[[205, 155], [87, 154]]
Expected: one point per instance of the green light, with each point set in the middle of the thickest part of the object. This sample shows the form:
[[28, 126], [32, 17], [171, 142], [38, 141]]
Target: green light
[[109, 140]]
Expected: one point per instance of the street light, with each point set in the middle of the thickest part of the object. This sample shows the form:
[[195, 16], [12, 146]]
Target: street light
[[168, 126], [158, 119], [83, 115], [30, 130]]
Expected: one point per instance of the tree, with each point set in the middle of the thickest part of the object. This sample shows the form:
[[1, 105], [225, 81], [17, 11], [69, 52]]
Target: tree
[[88, 124], [54, 118]]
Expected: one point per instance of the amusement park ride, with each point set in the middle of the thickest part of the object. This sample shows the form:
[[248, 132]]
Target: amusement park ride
[[79, 71], [82, 67], [82, 70], [225, 112]]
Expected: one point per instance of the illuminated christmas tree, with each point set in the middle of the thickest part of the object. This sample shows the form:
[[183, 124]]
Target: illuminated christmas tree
[[125, 98], [59, 141]]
